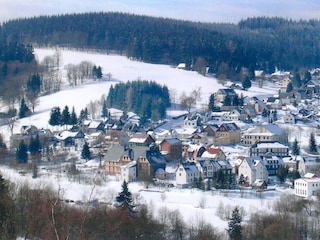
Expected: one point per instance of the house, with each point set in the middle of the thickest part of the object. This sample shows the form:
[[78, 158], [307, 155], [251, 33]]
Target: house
[[114, 136], [95, 138], [183, 133], [95, 125], [161, 134], [289, 118], [207, 167], [262, 149], [233, 115], [259, 185], [46, 137], [187, 174], [68, 138], [284, 84], [116, 157], [291, 163], [252, 169], [273, 103], [312, 88], [309, 164], [192, 121], [141, 139], [272, 163], [214, 153], [258, 105], [227, 134], [279, 75], [182, 66], [29, 130], [222, 94], [265, 133], [210, 130], [193, 151], [225, 166], [171, 149], [293, 97], [250, 111], [149, 162], [198, 138], [129, 172], [307, 186]]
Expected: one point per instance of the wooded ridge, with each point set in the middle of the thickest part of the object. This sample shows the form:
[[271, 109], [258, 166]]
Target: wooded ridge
[[255, 43]]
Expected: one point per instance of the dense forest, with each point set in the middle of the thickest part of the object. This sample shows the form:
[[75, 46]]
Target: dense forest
[[17, 65], [255, 43], [152, 101]]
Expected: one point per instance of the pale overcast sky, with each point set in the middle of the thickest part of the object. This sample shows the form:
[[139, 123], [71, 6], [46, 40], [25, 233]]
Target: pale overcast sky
[[195, 10]]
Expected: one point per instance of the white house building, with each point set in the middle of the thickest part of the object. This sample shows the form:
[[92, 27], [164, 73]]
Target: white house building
[[307, 186], [129, 172], [252, 169], [186, 174]]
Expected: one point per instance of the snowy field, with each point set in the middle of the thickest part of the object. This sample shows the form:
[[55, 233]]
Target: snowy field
[[193, 204]]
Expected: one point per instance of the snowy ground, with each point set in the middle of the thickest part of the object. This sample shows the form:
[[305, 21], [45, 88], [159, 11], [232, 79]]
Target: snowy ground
[[193, 204]]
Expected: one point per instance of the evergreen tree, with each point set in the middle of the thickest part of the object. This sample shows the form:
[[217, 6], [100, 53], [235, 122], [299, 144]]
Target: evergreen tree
[[289, 88], [312, 144], [246, 83], [22, 152], [274, 116], [235, 101], [295, 147], [74, 118], [65, 116], [3, 148], [83, 115], [55, 116], [104, 112], [211, 105], [296, 81], [283, 173], [35, 146], [23, 109], [227, 101], [307, 76], [241, 100], [234, 225], [85, 153], [124, 198], [34, 84], [7, 210], [97, 72]]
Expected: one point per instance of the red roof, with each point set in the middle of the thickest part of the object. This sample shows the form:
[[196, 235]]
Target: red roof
[[213, 150]]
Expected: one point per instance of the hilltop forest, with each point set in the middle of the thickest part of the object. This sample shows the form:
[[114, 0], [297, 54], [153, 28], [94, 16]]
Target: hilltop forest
[[254, 43]]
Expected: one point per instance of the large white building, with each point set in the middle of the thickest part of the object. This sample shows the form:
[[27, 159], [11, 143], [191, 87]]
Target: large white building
[[252, 169], [307, 186]]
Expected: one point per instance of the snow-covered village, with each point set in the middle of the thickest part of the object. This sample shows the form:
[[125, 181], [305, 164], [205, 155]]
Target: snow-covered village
[[122, 126], [203, 163]]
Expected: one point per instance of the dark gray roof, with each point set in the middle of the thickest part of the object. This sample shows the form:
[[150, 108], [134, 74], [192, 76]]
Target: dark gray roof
[[115, 152]]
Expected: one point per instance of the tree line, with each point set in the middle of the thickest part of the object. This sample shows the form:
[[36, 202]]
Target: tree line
[[146, 98], [254, 43]]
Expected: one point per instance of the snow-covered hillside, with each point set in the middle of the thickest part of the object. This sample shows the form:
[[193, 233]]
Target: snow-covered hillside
[[122, 69]]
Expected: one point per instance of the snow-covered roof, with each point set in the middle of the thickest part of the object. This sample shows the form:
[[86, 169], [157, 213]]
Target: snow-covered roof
[[270, 145]]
